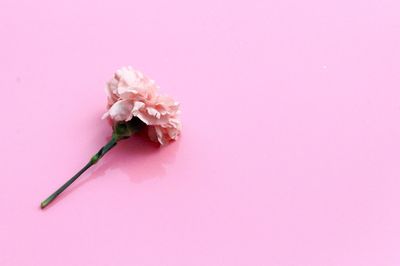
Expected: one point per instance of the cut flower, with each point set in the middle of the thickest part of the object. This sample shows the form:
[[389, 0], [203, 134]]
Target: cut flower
[[133, 103]]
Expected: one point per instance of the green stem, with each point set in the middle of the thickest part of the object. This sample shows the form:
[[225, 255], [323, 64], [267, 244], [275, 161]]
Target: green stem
[[121, 130], [92, 161]]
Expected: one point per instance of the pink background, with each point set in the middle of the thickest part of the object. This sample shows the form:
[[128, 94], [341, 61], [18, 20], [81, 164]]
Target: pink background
[[291, 146]]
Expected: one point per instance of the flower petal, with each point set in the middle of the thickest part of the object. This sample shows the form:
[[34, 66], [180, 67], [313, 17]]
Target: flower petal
[[121, 110]]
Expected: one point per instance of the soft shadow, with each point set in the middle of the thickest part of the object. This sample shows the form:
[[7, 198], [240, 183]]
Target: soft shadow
[[137, 157]]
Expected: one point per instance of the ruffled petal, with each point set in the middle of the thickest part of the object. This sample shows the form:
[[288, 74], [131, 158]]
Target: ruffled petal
[[121, 110]]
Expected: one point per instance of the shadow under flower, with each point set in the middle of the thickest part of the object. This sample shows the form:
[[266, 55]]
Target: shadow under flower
[[138, 157]]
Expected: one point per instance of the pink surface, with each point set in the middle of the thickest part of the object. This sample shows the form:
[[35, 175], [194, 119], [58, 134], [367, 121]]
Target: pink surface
[[290, 148]]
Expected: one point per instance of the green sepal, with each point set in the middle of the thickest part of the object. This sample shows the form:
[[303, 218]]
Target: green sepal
[[123, 130]]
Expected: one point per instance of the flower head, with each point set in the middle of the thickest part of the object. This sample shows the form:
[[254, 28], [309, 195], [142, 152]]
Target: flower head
[[131, 94]]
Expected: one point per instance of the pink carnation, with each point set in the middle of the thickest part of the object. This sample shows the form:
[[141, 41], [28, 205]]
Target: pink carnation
[[131, 94]]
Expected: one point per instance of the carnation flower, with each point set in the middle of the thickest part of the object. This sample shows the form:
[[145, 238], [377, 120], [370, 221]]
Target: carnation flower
[[133, 103], [131, 94]]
